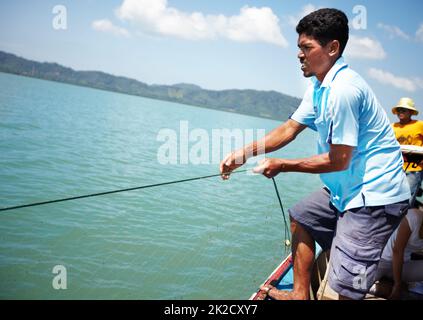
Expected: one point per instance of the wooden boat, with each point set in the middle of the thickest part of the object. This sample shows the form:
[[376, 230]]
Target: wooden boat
[[411, 150], [283, 279], [412, 154]]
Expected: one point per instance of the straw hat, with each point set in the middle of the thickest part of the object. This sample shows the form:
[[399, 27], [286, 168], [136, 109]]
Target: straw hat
[[406, 103]]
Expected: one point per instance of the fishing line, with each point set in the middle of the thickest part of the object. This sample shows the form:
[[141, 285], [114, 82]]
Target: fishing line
[[287, 237], [115, 191]]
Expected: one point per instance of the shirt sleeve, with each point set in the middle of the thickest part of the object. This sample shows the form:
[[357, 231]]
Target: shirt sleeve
[[305, 112], [344, 107]]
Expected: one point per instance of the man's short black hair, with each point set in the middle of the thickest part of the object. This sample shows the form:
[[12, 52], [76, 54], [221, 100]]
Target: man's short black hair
[[326, 25]]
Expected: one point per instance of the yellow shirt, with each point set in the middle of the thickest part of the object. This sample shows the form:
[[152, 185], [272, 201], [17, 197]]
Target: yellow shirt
[[410, 134]]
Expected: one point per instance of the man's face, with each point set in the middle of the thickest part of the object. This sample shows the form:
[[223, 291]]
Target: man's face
[[403, 114], [315, 60]]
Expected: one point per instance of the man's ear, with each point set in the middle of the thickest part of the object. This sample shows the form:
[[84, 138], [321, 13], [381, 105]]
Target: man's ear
[[334, 46]]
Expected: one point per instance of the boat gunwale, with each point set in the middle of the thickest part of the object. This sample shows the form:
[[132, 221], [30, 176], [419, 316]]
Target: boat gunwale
[[278, 273]]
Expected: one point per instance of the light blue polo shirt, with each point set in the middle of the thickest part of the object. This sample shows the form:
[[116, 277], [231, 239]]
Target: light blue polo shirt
[[344, 110]]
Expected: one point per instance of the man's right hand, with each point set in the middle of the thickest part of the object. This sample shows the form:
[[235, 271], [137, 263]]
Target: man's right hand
[[231, 162]]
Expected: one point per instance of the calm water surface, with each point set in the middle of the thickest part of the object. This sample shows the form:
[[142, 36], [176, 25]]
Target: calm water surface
[[205, 239]]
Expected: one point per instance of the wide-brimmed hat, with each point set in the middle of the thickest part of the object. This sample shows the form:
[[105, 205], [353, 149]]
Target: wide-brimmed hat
[[406, 103]]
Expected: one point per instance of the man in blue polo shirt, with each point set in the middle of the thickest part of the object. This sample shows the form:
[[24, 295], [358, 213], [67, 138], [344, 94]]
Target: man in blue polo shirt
[[365, 192]]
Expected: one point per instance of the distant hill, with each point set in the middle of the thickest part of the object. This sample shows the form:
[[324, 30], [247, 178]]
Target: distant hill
[[266, 104]]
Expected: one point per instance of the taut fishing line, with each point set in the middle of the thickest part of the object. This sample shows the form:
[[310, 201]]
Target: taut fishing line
[[287, 238]]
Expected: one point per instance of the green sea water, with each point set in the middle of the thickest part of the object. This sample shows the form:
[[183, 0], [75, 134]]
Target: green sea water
[[205, 239]]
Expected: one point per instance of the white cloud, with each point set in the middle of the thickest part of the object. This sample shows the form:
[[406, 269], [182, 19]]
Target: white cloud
[[251, 25], [107, 26], [419, 82], [393, 31], [308, 8], [419, 33], [385, 77], [364, 48]]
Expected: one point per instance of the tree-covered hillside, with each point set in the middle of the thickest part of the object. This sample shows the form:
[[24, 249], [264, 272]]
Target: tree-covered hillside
[[266, 104]]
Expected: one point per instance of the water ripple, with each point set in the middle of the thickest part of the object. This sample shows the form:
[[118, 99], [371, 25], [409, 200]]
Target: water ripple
[[205, 239]]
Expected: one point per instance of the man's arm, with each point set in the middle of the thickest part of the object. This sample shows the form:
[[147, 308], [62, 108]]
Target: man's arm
[[337, 159], [274, 140]]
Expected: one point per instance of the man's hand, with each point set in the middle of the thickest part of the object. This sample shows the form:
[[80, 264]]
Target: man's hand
[[231, 162], [269, 167]]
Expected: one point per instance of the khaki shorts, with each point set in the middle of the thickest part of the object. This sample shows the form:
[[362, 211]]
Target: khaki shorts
[[355, 237]]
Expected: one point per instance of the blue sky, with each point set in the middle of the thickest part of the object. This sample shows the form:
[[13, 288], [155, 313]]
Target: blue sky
[[218, 44]]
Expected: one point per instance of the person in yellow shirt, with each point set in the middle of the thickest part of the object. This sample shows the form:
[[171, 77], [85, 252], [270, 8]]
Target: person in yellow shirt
[[409, 132]]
